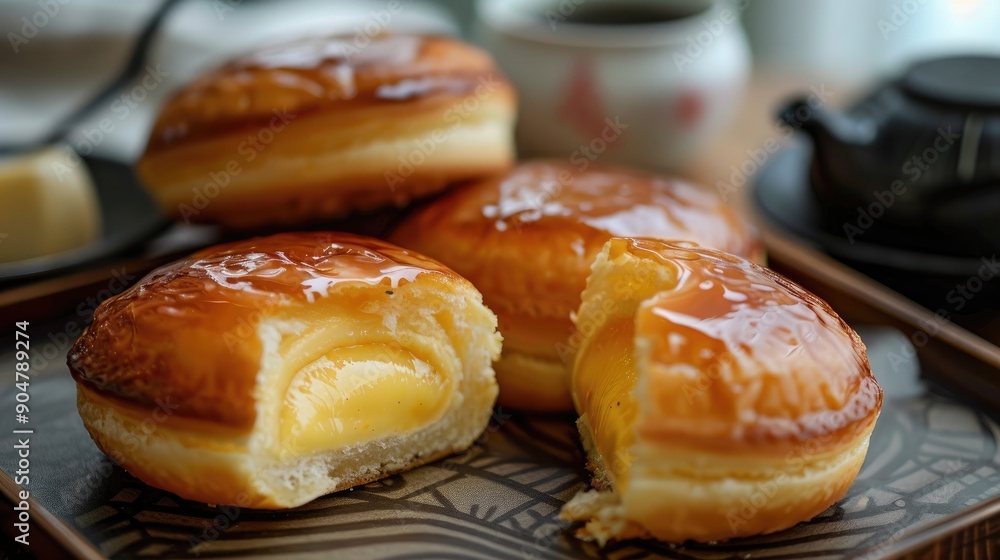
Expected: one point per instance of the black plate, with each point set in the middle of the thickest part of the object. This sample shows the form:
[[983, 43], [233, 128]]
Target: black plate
[[784, 196], [128, 218]]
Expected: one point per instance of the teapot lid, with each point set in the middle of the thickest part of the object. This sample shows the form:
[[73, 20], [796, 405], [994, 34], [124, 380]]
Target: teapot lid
[[958, 80]]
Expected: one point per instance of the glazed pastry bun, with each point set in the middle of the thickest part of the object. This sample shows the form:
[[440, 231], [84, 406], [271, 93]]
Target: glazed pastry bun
[[321, 127], [268, 372], [717, 399], [527, 239]]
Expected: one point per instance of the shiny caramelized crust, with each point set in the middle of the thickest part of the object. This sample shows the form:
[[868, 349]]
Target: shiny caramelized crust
[[527, 239], [701, 378], [248, 355], [788, 368], [320, 74], [185, 333], [321, 126]]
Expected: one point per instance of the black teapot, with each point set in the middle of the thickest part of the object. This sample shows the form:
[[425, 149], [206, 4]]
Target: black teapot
[[920, 157]]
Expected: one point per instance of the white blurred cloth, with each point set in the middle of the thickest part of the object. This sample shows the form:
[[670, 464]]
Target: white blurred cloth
[[63, 52]]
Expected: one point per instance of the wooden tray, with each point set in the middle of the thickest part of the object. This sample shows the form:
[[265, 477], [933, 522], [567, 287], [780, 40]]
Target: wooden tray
[[933, 468]]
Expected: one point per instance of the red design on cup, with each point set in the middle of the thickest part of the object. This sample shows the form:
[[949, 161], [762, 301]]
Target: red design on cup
[[688, 109], [582, 106]]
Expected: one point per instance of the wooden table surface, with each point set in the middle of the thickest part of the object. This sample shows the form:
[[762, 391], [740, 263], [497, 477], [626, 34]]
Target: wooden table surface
[[979, 542]]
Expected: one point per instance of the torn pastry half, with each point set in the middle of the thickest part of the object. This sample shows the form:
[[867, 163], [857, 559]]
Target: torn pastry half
[[717, 399], [265, 373]]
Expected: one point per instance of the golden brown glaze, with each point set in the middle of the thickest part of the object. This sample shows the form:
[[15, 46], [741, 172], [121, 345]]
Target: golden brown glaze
[[527, 238], [184, 337], [322, 74], [743, 359], [322, 127], [702, 378]]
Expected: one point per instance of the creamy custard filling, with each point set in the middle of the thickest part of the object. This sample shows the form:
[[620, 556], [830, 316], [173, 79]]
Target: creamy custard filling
[[359, 393], [604, 379]]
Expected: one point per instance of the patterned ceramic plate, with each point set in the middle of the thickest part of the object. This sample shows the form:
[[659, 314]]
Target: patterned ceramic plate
[[932, 461]]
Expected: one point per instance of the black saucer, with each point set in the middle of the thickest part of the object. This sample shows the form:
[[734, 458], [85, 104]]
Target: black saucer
[[129, 217], [783, 196]]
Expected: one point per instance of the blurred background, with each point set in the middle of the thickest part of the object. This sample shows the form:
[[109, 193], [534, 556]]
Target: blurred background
[[47, 70], [691, 87]]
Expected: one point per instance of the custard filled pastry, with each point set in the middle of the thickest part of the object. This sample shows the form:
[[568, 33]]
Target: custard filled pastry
[[527, 239], [320, 127], [717, 399], [265, 373]]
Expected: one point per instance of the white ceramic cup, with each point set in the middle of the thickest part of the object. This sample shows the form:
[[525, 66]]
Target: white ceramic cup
[[647, 94]]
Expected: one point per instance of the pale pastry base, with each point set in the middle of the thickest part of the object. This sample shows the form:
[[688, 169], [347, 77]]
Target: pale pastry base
[[214, 468], [533, 383], [705, 505], [325, 166]]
